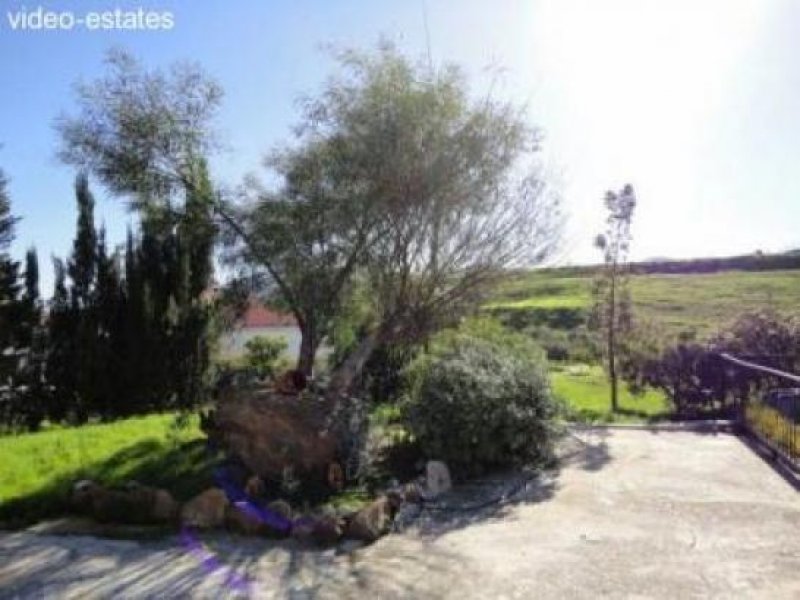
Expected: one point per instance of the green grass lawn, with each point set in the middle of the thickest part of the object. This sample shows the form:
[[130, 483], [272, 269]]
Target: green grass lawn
[[39, 468], [585, 389], [703, 303]]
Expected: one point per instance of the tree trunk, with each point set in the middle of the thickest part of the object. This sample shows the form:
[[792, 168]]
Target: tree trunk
[[308, 351], [612, 369], [612, 341], [350, 369]]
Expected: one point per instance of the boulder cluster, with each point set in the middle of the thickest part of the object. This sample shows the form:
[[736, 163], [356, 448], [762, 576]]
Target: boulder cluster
[[213, 509]]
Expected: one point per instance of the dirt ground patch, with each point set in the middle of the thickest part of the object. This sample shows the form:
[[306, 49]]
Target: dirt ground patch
[[630, 514]]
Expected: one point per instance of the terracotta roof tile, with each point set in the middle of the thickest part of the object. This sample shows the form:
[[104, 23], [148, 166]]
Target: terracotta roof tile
[[258, 315]]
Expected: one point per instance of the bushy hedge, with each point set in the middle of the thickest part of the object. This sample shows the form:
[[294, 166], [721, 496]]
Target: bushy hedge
[[698, 380], [481, 400]]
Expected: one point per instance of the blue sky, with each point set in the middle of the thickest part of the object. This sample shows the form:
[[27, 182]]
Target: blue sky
[[695, 103]]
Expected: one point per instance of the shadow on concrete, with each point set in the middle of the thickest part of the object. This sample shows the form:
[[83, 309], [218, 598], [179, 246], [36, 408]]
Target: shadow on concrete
[[75, 566], [586, 448], [494, 497]]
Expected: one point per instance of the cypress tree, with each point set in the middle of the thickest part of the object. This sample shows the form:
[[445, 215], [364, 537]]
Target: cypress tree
[[61, 365], [106, 309], [9, 308], [32, 295], [73, 325], [135, 339], [7, 221], [9, 272], [195, 243], [82, 265], [36, 399], [133, 333], [82, 271]]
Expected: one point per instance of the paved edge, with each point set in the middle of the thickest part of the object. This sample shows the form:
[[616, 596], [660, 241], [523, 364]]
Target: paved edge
[[706, 425]]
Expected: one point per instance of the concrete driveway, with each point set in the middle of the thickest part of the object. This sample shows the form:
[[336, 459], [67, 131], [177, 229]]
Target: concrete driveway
[[631, 514]]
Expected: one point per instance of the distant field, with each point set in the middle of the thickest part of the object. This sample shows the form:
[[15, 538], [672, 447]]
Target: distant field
[[585, 389], [700, 302], [38, 469]]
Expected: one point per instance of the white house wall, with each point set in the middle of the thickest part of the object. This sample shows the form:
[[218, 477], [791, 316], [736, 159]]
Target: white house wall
[[232, 343]]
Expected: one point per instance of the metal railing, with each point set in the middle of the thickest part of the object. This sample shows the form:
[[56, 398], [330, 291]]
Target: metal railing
[[772, 412]]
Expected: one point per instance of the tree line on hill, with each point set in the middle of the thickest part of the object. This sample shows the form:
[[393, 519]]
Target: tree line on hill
[[757, 261]]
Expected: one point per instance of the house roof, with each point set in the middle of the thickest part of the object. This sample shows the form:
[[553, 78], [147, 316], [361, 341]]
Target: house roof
[[259, 315]]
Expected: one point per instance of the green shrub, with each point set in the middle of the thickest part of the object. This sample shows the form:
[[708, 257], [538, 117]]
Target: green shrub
[[263, 354], [481, 402]]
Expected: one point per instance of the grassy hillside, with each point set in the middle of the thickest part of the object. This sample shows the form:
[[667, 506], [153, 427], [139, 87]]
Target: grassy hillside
[[38, 469], [688, 302]]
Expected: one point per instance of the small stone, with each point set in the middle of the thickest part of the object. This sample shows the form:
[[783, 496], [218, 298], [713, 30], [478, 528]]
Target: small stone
[[437, 479], [255, 488], [412, 493], [281, 508]]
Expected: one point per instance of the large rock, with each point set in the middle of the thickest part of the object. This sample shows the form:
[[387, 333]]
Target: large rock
[[241, 520], [134, 504], [206, 510], [273, 434], [83, 494], [160, 504], [372, 521], [283, 510], [327, 530]]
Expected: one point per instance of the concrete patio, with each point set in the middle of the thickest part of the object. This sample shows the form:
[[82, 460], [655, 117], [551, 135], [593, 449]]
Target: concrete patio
[[630, 514]]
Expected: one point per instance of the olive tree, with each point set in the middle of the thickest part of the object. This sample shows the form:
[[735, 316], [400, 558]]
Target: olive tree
[[303, 242], [463, 197], [400, 179], [142, 132]]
